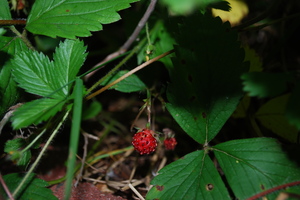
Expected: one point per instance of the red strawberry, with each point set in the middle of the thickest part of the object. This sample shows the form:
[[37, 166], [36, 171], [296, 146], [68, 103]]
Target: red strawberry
[[144, 142], [170, 143]]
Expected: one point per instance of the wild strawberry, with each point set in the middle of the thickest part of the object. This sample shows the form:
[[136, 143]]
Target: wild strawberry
[[144, 142], [170, 143]]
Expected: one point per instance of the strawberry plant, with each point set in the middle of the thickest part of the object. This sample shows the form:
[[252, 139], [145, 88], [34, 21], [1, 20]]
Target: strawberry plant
[[232, 110]]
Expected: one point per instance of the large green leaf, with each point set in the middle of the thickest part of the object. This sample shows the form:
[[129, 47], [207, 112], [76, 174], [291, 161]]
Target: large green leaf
[[33, 188], [272, 116], [38, 75], [8, 88], [192, 177], [254, 165], [71, 18], [187, 6], [36, 111], [4, 10], [205, 81]]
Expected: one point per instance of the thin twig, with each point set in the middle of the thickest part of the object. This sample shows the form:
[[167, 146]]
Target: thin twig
[[6, 188], [135, 191], [130, 40], [86, 141], [8, 115], [128, 74]]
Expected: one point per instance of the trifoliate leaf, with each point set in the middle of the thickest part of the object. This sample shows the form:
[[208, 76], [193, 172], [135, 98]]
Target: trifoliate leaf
[[292, 110], [38, 75], [4, 10], [129, 84], [205, 81], [8, 87], [36, 111], [186, 7], [72, 18], [272, 116], [192, 177], [33, 188], [255, 165], [263, 84]]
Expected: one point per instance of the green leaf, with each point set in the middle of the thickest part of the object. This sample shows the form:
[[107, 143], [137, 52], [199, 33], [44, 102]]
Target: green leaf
[[188, 6], [252, 57], [292, 110], [91, 110], [8, 87], [4, 10], [162, 41], [272, 116], [38, 75], [262, 84], [129, 84], [192, 177], [36, 111], [71, 18], [254, 165], [68, 58], [205, 84], [33, 188], [14, 147]]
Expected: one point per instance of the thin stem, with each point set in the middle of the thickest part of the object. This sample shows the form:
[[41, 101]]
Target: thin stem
[[280, 187], [6, 188], [13, 22], [128, 74], [22, 36], [264, 15], [40, 155], [131, 38]]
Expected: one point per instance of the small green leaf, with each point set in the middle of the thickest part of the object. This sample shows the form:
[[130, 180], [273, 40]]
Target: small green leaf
[[255, 61], [4, 10], [33, 188], [192, 177], [262, 84], [71, 18], [292, 110], [36, 111], [91, 110], [8, 88], [187, 6], [205, 85], [14, 149], [272, 116], [129, 84], [254, 165]]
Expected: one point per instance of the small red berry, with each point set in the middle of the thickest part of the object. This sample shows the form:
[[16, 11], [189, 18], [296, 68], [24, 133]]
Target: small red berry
[[170, 143], [144, 142]]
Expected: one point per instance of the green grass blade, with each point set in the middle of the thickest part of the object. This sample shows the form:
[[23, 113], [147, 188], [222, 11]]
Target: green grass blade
[[75, 130]]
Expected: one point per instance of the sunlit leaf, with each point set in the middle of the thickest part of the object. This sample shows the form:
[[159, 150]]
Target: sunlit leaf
[[272, 116], [71, 18]]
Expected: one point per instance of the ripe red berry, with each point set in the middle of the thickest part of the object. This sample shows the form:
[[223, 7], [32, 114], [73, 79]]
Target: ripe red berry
[[170, 143], [144, 141]]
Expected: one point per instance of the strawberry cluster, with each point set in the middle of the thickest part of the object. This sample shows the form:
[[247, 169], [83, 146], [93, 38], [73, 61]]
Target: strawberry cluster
[[144, 141]]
